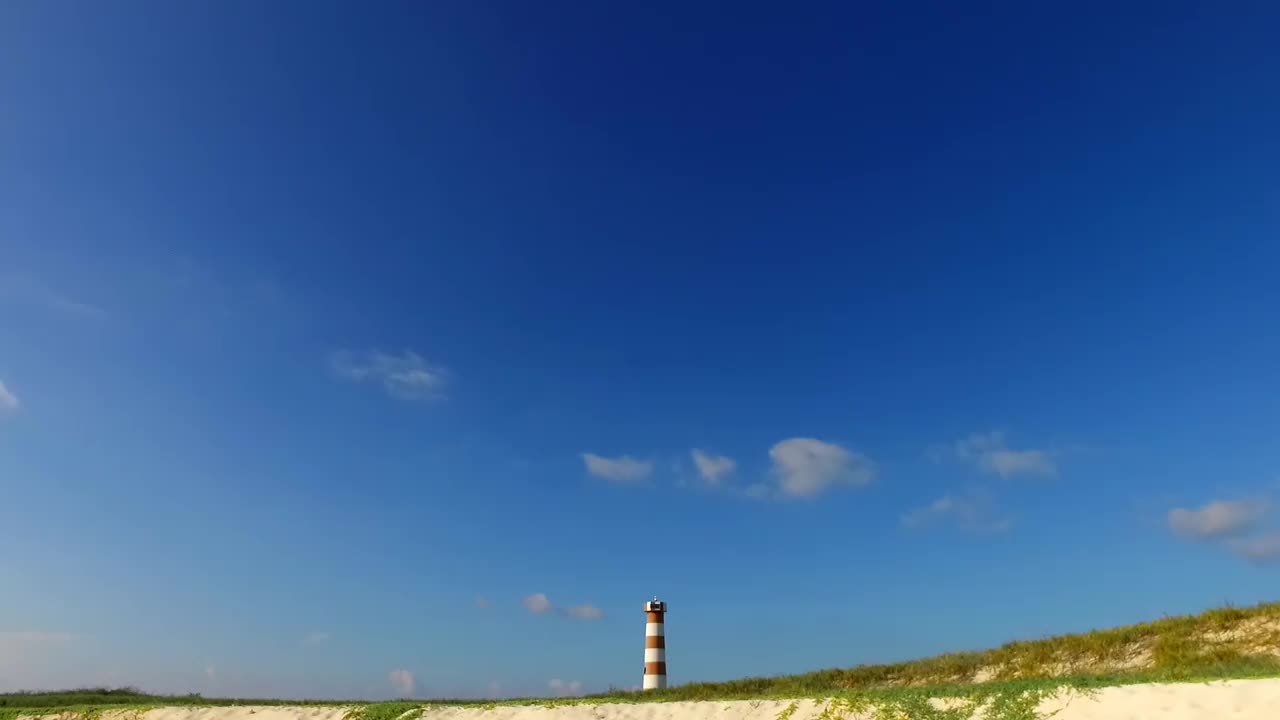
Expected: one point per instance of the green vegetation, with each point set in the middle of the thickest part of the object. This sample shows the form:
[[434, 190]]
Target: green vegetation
[[87, 696], [107, 698], [382, 711], [90, 703], [1005, 683], [1218, 641], [998, 700]]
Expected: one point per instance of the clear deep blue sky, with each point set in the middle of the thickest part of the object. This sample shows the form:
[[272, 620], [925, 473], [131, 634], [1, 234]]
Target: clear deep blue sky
[[332, 335]]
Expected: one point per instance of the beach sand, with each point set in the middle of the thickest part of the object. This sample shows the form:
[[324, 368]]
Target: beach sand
[[1219, 700]]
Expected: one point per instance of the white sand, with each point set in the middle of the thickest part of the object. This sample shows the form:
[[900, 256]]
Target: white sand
[[247, 712], [1224, 700]]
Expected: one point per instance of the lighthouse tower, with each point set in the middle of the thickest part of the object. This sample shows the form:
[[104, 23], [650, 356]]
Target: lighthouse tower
[[655, 645]]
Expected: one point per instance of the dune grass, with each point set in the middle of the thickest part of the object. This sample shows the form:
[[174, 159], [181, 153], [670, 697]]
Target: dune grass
[[1221, 640], [130, 697], [84, 696], [89, 703], [1008, 681]]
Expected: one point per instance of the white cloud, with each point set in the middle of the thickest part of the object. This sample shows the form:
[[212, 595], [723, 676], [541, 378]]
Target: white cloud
[[712, 467], [1262, 549], [8, 401], [584, 612], [560, 687], [536, 603], [805, 467], [625, 469], [317, 638], [1007, 463], [978, 443], [1220, 518], [211, 672], [406, 376], [972, 513], [989, 452], [540, 604], [403, 682]]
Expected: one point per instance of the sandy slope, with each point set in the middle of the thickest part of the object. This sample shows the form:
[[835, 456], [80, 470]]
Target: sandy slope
[[1229, 700], [1226, 700]]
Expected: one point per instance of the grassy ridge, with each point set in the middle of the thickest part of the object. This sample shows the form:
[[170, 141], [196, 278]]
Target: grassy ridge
[[89, 696], [1185, 646], [129, 697], [90, 703]]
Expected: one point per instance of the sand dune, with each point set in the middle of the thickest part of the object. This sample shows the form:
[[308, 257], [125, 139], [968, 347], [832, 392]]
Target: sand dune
[[1226, 700], [1221, 700]]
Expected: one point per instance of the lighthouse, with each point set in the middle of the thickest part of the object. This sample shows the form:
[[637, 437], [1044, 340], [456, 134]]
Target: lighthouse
[[655, 645]]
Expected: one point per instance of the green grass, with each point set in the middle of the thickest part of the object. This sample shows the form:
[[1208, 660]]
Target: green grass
[[382, 711], [1169, 648], [998, 700], [128, 696], [1008, 681], [87, 696], [89, 703]]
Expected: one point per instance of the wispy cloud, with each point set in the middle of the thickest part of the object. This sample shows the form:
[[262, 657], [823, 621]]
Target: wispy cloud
[[712, 468], [536, 603], [32, 292], [8, 401], [317, 638], [1221, 518], [990, 454], [565, 688], [1007, 463], [75, 307], [622, 470], [1237, 525], [805, 467], [483, 602], [971, 512], [540, 604], [584, 612], [403, 682], [406, 376], [1264, 549]]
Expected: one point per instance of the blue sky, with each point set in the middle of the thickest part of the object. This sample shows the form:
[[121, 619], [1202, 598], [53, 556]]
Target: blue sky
[[409, 349]]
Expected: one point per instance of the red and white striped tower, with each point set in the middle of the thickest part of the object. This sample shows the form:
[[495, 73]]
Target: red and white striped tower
[[655, 645]]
